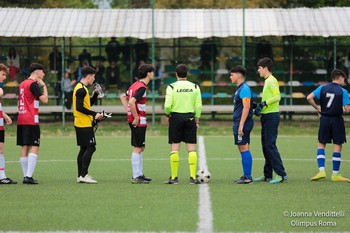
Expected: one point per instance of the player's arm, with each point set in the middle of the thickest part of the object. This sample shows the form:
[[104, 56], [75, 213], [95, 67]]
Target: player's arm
[[311, 99], [1, 92], [35, 89], [7, 118], [124, 100], [346, 101], [245, 112], [276, 95], [198, 105], [93, 98], [168, 100], [80, 94]]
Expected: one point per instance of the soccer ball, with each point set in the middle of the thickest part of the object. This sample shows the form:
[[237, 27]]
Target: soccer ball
[[203, 176]]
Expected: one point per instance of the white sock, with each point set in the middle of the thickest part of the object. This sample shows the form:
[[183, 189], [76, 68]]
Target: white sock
[[135, 162], [24, 164], [2, 167], [31, 164], [141, 163]]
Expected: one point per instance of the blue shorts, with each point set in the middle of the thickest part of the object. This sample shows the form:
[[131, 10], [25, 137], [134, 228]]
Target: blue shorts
[[247, 128], [332, 129]]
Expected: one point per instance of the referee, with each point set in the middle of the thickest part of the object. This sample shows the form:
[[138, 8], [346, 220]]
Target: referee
[[183, 106]]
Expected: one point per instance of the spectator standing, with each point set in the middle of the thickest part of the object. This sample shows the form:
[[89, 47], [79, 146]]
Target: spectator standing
[[243, 122], [3, 117], [347, 64], [113, 50], [13, 62], [208, 53], [141, 51], [85, 56], [68, 89], [100, 71], [268, 109], [183, 106], [134, 102], [332, 98], [112, 76], [55, 59], [28, 129], [127, 52], [157, 78]]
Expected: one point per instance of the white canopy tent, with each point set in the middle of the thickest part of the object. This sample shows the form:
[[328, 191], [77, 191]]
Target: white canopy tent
[[173, 23]]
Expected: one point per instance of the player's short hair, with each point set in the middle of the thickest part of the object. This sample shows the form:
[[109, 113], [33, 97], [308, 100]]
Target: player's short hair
[[4, 68], [239, 69], [265, 62], [181, 70], [337, 73], [36, 66], [85, 71], [144, 69]]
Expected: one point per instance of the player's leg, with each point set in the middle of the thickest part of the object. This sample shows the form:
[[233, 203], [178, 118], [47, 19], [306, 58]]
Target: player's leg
[[138, 136], [175, 134], [272, 123], [190, 138], [32, 139], [267, 170], [3, 178], [87, 142], [242, 143], [321, 158], [339, 137]]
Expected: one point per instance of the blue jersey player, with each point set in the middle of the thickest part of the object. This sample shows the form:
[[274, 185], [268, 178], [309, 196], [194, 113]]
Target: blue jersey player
[[242, 121], [332, 98]]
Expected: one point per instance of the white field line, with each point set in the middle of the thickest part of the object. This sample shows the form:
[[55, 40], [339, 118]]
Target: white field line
[[205, 214], [162, 159]]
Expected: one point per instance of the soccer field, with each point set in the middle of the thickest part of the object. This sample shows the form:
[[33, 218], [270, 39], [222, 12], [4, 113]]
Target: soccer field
[[58, 203]]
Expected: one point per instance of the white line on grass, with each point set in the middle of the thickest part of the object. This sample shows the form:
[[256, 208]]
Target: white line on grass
[[162, 159], [205, 223]]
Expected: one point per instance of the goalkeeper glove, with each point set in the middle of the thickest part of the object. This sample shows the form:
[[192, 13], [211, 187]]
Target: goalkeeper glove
[[257, 110]]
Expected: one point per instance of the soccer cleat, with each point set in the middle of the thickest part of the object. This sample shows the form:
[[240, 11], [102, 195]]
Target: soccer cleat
[[278, 179], [262, 179], [139, 180], [319, 176], [7, 181], [87, 179], [244, 180], [29, 180], [146, 178], [172, 181], [339, 177], [194, 181]]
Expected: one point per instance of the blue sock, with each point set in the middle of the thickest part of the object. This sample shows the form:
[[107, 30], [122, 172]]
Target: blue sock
[[336, 161], [321, 157], [247, 163]]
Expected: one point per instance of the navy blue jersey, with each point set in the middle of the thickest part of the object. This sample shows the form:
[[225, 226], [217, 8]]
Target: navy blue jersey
[[243, 91], [332, 98]]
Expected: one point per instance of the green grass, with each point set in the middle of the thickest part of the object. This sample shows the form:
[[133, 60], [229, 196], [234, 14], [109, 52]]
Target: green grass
[[114, 204]]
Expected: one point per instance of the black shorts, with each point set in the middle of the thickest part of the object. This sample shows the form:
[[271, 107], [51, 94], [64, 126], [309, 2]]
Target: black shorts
[[138, 136], [2, 136], [85, 136], [182, 128], [28, 135], [332, 129]]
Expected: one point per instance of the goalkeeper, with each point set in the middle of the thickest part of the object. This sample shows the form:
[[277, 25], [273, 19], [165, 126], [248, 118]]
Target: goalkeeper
[[268, 109], [183, 106], [83, 119]]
